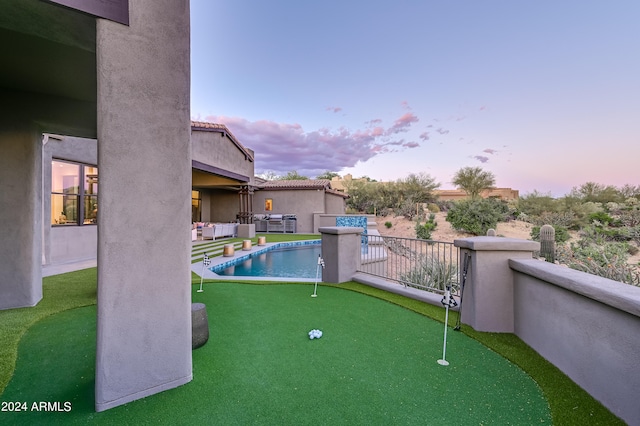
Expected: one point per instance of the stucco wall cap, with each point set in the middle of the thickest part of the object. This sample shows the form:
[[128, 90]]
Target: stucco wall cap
[[340, 230], [497, 244], [613, 293]]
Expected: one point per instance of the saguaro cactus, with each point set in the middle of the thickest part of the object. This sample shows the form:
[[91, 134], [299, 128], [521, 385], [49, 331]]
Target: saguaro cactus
[[548, 243]]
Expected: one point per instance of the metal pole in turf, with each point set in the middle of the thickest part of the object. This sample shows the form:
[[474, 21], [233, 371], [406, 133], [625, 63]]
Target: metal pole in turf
[[448, 302], [205, 262], [465, 270], [320, 263]]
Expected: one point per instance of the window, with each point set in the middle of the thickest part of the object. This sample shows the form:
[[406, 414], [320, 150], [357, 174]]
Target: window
[[195, 206], [74, 193], [268, 204]]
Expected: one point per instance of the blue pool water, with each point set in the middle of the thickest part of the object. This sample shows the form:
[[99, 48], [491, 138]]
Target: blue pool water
[[291, 262]]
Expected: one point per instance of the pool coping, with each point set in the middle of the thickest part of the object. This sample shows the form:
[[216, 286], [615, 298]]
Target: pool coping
[[242, 255]]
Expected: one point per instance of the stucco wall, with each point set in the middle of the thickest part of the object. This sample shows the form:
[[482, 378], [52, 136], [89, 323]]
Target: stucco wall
[[585, 325], [23, 118], [223, 206], [143, 343], [215, 149], [66, 243], [301, 202], [334, 204]]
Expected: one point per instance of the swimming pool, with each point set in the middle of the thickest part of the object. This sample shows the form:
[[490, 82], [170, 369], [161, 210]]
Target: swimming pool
[[284, 260]]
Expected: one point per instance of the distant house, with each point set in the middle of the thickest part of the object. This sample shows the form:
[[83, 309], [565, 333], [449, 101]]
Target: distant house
[[342, 185], [458, 194]]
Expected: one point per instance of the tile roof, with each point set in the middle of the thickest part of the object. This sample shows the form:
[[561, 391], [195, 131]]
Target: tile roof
[[323, 184], [297, 184], [216, 127]]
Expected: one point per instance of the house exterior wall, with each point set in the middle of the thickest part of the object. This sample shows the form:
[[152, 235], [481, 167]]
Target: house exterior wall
[[223, 206], [334, 204], [63, 244], [23, 119], [458, 194], [301, 202], [218, 150]]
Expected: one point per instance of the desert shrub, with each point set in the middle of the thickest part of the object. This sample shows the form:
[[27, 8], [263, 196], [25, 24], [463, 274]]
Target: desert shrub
[[630, 218], [433, 208], [536, 203], [407, 209], [608, 260], [632, 201], [562, 234], [424, 231], [565, 219], [444, 205], [431, 272], [603, 234], [476, 216], [388, 224], [600, 217]]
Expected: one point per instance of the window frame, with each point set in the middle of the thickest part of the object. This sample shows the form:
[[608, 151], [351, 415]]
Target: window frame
[[80, 196]]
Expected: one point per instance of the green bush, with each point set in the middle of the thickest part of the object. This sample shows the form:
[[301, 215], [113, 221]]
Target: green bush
[[433, 208], [600, 217], [477, 216], [388, 224], [424, 231], [608, 260]]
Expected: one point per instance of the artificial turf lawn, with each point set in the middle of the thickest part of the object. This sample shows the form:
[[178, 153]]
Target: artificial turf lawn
[[570, 405], [375, 363]]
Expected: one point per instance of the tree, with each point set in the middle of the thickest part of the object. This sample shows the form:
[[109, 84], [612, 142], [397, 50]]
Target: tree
[[327, 175], [477, 215], [269, 175], [293, 175], [597, 193], [417, 188], [474, 180]]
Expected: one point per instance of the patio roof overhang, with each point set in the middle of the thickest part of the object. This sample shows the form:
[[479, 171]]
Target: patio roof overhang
[[206, 176]]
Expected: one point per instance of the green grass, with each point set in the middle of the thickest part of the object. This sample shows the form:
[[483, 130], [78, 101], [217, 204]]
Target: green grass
[[60, 292], [569, 404], [376, 362]]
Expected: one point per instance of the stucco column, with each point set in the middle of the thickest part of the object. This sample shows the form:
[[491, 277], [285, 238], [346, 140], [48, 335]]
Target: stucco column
[[341, 251], [488, 292], [144, 244], [20, 211]]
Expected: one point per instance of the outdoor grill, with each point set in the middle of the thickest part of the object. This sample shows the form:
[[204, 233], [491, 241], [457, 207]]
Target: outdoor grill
[[275, 223]]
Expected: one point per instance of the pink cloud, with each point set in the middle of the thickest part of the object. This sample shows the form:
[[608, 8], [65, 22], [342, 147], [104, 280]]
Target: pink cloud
[[334, 109], [490, 151], [282, 147], [403, 123], [424, 136], [481, 158]]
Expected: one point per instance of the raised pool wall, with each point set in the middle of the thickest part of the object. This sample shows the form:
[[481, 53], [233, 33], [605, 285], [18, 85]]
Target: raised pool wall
[[586, 325]]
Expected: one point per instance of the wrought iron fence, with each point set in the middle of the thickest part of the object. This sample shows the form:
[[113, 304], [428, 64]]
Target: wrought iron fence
[[423, 264]]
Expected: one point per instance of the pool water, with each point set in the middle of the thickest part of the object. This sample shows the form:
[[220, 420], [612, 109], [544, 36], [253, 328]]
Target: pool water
[[290, 262]]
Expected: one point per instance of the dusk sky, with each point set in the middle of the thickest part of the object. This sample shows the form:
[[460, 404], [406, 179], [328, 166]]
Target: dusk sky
[[544, 94]]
